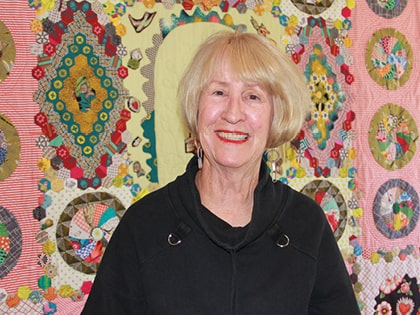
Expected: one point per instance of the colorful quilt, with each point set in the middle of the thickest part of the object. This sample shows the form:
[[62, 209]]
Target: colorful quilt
[[89, 124]]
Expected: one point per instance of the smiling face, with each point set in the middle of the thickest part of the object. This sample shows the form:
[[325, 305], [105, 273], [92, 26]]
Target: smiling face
[[234, 120]]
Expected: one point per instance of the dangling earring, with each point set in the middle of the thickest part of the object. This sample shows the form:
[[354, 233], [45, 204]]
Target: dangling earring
[[273, 156], [199, 154]]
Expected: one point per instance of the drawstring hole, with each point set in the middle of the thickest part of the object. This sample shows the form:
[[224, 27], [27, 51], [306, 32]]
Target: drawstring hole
[[173, 240], [283, 241]]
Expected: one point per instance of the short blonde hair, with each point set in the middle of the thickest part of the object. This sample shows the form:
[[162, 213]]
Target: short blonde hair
[[252, 58]]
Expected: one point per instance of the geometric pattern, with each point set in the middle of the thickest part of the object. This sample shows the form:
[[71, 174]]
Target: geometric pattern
[[312, 7], [389, 58], [393, 136], [328, 196], [387, 8], [396, 209], [10, 148], [81, 94], [10, 241], [85, 227]]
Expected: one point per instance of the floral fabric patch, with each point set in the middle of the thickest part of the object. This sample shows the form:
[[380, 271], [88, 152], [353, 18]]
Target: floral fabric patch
[[398, 295], [7, 51], [393, 137], [387, 8], [9, 148], [10, 241], [396, 209], [389, 58]]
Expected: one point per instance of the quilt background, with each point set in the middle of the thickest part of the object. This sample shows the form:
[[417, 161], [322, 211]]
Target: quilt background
[[89, 124]]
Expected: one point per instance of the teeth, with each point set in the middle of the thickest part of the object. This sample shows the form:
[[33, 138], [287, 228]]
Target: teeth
[[232, 136]]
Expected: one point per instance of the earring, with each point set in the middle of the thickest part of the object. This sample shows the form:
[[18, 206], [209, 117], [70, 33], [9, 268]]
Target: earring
[[199, 154], [273, 156]]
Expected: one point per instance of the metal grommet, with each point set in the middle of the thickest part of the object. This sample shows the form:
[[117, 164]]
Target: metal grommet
[[283, 241], [173, 239]]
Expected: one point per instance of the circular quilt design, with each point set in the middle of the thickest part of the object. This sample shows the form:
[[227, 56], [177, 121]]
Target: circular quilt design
[[7, 51], [396, 209], [387, 8], [313, 7], [389, 58], [9, 147], [10, 241], [85, 228], [392, 137], [329, 197]]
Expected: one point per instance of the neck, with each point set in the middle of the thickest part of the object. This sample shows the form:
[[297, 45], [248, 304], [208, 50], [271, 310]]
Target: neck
[[229, 194]]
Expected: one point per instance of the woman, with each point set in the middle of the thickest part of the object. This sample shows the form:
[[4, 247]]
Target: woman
[[223, 238]]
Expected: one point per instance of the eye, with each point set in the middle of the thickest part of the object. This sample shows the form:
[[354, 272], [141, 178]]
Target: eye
[[252, 96], [218, 92]]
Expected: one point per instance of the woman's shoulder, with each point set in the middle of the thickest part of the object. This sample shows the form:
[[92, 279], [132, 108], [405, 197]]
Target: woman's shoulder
[[148, 222], [298, 204], [302, 219], [152, 209]]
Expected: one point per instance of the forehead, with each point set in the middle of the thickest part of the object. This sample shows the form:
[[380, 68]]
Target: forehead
[[226, 72]]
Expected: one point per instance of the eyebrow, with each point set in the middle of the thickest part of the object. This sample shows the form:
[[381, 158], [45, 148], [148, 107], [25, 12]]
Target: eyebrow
[[247, 84]]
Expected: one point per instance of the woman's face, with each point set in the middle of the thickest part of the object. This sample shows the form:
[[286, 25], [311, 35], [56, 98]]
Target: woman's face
[[84, 88], [234, 120]]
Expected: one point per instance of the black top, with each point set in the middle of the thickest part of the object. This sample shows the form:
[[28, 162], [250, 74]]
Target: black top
[[217, 269]]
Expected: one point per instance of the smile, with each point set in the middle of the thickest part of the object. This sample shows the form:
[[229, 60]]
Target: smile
[[237, 137]]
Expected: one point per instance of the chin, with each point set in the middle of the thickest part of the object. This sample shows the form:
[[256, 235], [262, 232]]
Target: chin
[[231, 163]]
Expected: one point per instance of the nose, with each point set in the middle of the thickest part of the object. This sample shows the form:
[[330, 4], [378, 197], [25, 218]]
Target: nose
[[234, 111]]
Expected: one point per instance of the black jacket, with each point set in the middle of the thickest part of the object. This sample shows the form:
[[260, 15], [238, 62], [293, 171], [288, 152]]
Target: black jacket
[[170, 255]]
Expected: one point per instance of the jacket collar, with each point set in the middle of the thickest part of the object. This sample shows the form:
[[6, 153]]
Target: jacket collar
[[268, 199]]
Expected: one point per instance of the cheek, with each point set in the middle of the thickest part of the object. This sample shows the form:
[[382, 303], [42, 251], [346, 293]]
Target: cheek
[[207, 115], [261, 121]]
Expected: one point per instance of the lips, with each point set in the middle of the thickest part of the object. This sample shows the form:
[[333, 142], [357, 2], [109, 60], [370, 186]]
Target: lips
[[232, 136]]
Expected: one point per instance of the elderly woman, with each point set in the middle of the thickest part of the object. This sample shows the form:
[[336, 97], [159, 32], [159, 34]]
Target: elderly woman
[[223, 238]]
